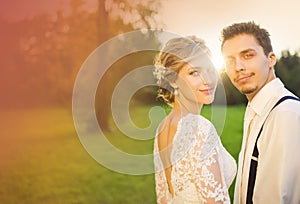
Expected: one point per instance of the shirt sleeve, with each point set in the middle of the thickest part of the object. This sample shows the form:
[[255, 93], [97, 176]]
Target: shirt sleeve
[[280, 165], [290, 190], [208, 178]]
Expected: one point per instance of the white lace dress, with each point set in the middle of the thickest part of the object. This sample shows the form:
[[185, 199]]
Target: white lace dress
[[202, 169]]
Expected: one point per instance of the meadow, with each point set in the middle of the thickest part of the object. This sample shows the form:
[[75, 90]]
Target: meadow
[[43, 161]]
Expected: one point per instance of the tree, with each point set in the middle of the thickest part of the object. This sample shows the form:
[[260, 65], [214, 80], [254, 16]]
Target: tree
[[121, 17], [42, 55], [288, 70]]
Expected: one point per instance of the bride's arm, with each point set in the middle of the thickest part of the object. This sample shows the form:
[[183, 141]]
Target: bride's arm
[[207, 174], [160, 187], [160, 183]]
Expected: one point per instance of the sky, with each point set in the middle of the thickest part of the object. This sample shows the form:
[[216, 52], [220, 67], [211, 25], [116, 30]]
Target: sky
[[204, 18]]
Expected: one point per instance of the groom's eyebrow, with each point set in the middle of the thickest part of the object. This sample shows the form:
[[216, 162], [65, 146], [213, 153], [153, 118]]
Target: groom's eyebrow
[[246, 51], [242, 52]]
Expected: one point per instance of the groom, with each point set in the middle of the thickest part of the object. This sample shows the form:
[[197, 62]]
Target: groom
[[269, 164]]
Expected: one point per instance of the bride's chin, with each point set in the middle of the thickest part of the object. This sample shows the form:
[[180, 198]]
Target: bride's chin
[[210, 99]]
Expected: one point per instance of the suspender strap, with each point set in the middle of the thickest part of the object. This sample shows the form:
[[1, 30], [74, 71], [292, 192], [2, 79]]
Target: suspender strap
[[254, 160]]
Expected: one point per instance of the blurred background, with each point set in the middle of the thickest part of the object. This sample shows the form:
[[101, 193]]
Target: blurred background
[[43, 46]]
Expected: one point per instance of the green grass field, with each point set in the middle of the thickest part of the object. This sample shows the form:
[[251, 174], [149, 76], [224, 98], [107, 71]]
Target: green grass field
[[43, 161]]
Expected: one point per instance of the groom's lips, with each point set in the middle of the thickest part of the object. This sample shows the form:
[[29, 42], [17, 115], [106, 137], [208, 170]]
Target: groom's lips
[[243, 78]]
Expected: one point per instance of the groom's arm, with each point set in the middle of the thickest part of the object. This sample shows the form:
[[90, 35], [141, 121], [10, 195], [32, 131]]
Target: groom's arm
[[278, 172]]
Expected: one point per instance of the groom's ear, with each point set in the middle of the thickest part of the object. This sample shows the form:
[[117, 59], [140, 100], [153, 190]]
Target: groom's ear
[[272, 59]]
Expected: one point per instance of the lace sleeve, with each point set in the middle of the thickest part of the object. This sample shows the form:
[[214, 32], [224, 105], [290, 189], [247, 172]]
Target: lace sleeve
[[207, 175], [160, 183], [160, 187]]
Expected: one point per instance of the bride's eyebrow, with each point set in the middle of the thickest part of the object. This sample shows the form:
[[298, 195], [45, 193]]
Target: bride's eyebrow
[[195, 68]]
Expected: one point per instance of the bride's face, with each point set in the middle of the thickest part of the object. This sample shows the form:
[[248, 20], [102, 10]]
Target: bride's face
[[197, 81]]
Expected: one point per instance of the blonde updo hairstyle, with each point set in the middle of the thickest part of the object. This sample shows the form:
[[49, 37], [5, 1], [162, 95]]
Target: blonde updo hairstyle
[[175, 54]]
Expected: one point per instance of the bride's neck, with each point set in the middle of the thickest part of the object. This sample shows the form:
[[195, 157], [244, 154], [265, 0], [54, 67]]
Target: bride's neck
[[184, 108]]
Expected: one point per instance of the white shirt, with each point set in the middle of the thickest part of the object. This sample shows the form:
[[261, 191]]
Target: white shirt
[[278, 171]]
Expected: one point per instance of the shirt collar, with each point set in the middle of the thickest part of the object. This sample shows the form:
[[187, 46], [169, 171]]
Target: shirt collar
[[265, 95]]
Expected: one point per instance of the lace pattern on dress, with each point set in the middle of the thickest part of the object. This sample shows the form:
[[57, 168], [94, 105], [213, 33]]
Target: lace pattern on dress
[[196, 171]]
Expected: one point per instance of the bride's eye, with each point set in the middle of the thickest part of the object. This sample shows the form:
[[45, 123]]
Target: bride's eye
[[195, 73]]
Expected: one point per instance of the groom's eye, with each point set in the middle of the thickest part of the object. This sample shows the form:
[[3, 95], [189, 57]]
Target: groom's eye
[[248, 56]]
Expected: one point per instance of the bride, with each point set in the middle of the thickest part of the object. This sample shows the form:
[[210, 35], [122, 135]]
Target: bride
[[191, 164]]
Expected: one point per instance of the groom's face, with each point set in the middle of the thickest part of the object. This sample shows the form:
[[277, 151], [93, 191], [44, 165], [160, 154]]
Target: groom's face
[[247, 66]]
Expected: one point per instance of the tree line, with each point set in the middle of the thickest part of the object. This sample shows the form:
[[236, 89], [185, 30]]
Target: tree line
[[41, 56]]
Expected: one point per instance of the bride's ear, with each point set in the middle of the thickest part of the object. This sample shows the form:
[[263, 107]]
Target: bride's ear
[[175, 88], [174, 85]]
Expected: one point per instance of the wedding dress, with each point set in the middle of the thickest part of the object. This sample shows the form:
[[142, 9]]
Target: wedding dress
[[202, 169]]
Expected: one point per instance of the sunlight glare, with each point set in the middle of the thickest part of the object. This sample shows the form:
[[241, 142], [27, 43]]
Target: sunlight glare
[[217, 59]]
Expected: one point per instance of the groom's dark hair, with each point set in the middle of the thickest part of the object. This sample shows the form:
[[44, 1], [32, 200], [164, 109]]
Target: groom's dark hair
[[261, 35]]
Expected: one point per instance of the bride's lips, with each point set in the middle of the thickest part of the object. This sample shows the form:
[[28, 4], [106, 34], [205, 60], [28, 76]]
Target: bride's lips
[[206, 91], [244, 78]]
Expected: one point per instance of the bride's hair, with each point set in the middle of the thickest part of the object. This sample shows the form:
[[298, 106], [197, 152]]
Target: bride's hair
[[174, 55]]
